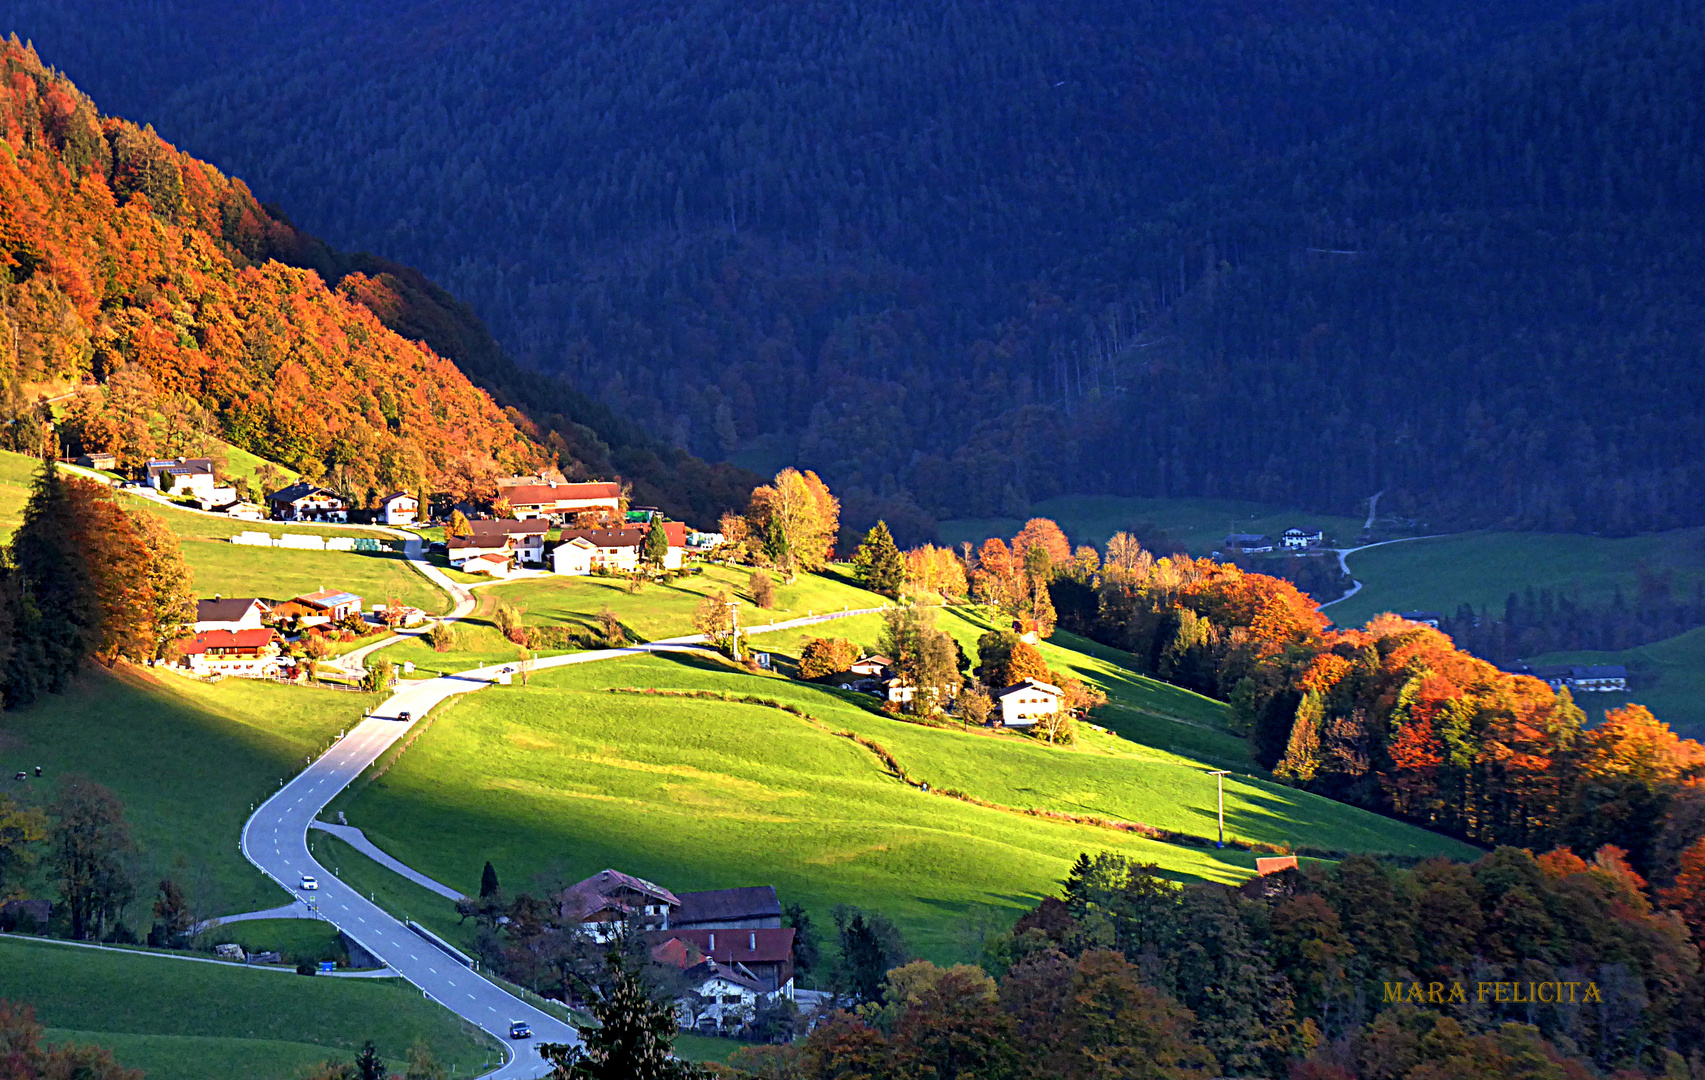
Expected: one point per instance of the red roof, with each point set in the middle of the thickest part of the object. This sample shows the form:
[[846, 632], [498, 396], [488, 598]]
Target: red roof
[[546, 494], [767, 946], [228, 639], [676, 531]]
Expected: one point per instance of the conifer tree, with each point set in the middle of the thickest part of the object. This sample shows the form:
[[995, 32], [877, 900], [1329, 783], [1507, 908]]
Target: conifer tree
[[1302, 752], [633, 1038], [879, 563], [60, 604]]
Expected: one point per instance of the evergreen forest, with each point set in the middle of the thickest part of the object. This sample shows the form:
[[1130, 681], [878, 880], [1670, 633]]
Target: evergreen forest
[[960, 257]]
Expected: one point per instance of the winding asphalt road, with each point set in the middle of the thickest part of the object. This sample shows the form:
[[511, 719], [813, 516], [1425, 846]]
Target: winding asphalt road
[[275, 839]]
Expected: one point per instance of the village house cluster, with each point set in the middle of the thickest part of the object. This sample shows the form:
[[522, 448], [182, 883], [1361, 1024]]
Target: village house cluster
[[729, 944]]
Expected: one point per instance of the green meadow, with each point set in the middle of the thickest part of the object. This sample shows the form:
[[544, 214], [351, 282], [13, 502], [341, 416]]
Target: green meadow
[[187, 758], [1201, 525], [180, 1020], [563, 778], [1483, 569], [661, 611]]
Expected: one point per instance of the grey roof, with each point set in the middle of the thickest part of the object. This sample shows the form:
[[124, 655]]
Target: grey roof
[[489, 529], [300, 490], [1601, 671], [227, 609], [1030, 684], [1246, 538], [723, 905]]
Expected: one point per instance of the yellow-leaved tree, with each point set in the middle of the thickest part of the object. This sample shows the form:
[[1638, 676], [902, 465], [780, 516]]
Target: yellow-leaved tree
[[792, 522]]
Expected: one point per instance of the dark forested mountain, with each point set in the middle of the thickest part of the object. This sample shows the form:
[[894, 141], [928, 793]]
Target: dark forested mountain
[[974, 254]]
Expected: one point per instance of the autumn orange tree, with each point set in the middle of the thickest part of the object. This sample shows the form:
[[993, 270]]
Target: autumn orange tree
[[792, 523], [143, 274]]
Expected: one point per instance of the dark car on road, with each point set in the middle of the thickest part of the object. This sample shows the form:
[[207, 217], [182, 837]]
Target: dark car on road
[[404, 715], [518, 1029]]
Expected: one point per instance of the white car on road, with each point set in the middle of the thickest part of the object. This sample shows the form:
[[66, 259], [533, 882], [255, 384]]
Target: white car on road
[[309, 882]]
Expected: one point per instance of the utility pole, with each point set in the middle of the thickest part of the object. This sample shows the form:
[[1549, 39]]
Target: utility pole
[[734, 633], [1219, 776]]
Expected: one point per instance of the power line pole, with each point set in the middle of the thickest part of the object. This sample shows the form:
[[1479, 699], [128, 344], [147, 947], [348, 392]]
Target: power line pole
[[734, 632], [1219, 776]]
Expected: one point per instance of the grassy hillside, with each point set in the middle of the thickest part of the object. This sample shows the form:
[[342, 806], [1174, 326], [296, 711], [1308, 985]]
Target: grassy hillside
[[1201, 525], [1145, 710], [233, 570], [667, 610], [566, 777], [188, 759], [189, 1021], [1667, 677], [1484, 568]]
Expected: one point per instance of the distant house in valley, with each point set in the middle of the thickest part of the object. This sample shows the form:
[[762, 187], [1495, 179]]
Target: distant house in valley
[[247, 653], [525, 538], [231, 613], [703, 541], [1598, 678], [1591, 678], [101, 460], [558, 502], [1248, 543], [1297, 539], [303, 501], [331, 603], [1426, 618], [246, 511], [181, 476], [1023, 704], [576, 557]]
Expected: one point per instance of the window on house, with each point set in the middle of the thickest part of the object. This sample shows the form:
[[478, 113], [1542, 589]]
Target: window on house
[[731, 999]]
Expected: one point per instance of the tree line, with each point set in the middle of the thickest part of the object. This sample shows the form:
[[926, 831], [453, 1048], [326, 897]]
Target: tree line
[[1542, 968]]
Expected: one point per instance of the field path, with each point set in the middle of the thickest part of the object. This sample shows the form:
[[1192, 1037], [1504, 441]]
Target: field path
[[1345, 553], [275, 839]]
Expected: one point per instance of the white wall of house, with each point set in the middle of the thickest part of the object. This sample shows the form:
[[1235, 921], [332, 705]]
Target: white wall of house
[[573, 558], [1021, 708], [403, 511]]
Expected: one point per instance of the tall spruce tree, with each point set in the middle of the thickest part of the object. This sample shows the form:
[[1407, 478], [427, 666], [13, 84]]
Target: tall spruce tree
[[879, 563], [59, 612]]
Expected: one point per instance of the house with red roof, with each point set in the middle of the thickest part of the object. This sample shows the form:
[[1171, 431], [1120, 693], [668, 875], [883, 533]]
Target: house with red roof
[[247, 653], [560, 501]]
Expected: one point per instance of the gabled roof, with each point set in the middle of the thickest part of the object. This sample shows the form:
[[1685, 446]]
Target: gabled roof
[[490, 557], [766, 946], [595, 893], [328, 598], [477, 542], [228, 639], [545, 494], [1601, 671], [1245, 538], [727, 905], [227, 609], [508, 527], [301, 490], [700, 974], [1031, 684], [180, 466], [607, 538], [394, 496]]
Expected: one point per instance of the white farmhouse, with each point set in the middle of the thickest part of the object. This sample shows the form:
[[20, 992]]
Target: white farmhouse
[[1024, 703]]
